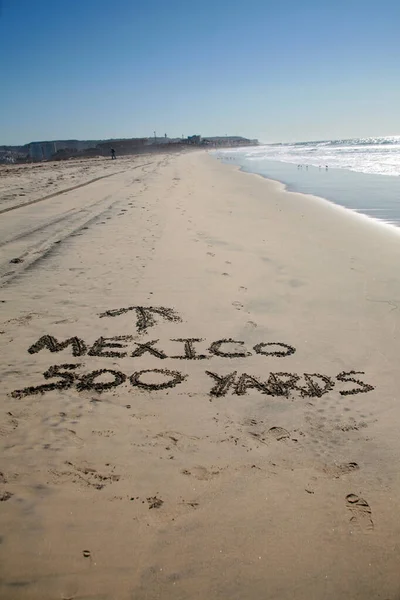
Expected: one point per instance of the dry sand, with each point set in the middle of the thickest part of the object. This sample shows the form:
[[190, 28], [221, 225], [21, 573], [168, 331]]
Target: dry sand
[[21, 184], [232, 483]]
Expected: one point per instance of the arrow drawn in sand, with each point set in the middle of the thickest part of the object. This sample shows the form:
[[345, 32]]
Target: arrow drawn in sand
[[145, 315]]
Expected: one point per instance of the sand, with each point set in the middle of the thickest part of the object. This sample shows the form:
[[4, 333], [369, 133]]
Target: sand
[[202, 433]]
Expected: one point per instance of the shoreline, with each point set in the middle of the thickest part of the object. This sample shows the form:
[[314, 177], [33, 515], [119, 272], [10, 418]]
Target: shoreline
[[199, 392], [344, 209], [285, 188], [342, 183]]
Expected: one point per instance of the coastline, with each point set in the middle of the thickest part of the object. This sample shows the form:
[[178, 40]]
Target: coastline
[[263, 467], [350, 212], [374, 195]]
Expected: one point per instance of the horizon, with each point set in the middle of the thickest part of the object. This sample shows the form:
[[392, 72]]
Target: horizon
[[269, 71]]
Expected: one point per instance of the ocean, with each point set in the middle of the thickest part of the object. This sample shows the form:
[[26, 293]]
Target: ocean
[[360, 174]]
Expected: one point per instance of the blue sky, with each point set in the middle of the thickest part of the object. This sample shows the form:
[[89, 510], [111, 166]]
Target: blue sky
[[279, 70]]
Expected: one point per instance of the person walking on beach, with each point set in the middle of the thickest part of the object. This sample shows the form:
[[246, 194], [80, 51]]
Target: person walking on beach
[[113, 154]]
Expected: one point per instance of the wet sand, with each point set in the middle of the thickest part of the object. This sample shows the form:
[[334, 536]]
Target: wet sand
[[199, 391]]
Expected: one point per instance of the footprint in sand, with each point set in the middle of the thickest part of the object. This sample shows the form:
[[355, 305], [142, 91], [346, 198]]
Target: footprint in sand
[[361, 514], [176, 440], [201, 473], [84, 475], [8, 425], [252, 323], [273, 433], [24, 320], [237, 305], [210, 253], [342, 469], [278, 433]]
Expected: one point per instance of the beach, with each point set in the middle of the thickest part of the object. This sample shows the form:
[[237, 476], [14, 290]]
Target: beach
[[199, 387], [361, 175]]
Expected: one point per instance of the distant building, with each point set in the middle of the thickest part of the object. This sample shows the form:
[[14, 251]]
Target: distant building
[[160, 140], [194, 139], [231, 141], [46, 150], [42, 150]]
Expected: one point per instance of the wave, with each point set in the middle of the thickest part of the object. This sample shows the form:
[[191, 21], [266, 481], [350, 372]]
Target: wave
[[387, 140], [375, 155]]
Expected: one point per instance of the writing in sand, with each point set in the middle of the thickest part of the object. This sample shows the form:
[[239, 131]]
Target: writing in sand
[[279, 383]]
